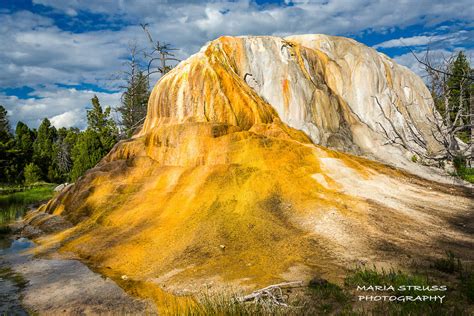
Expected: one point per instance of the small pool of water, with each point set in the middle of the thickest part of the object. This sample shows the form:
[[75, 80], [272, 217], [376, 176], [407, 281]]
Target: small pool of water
[[13, 206], [15, 202], [10, 292], [11, 283], [10, 246]]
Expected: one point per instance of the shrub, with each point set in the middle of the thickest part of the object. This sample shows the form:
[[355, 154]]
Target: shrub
[[450, 264]]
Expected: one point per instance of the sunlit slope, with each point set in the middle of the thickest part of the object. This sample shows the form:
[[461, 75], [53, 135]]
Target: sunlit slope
[[225, 184]]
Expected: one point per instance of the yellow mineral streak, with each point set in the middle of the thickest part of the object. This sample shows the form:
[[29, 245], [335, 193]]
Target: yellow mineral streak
[[286, 95], [388, 73]]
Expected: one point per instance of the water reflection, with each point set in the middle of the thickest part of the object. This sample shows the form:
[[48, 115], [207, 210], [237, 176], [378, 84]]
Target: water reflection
[[11, 283], [14, 202], [11, 209], [8, 246]]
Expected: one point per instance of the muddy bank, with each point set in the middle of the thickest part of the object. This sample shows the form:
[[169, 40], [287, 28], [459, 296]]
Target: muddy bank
[[59, 286]]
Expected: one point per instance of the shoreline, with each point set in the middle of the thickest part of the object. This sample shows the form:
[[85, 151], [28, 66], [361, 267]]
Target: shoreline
[[61, 286]]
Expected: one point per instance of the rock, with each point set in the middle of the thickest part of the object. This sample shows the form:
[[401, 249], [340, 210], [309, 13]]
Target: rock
[[60, 187], [31, 231], [16, 227], [37, 222]]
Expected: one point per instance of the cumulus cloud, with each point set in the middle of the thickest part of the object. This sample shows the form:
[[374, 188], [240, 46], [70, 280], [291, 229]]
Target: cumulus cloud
[[436, 56], [189, 24], [67, 119], [37, 52], [64, 107], [451, 39], [44, 54], [410, 41]]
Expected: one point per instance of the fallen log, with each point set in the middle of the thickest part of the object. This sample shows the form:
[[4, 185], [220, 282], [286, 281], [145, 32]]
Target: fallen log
[[272, 294]]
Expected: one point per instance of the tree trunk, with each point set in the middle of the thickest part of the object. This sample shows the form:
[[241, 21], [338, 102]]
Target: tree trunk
[[471, 110], [452, 140], [461, 99], [446, 104]]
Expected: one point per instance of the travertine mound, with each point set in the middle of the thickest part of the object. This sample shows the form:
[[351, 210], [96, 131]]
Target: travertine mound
[[342, 94], [230, 181]]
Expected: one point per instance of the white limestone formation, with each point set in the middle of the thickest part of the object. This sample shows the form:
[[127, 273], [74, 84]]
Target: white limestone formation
[[341, 93]]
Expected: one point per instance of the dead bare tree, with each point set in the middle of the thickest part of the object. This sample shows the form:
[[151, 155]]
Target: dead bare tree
[[135, 81], [63, 157], [427, 63], [162, 52], [471, 112], [408, 137], [450, 119]]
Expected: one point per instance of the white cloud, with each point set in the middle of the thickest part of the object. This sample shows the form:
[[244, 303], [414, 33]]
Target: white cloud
[[445, 40], [410, 41], [67, 119], [191, 23], [40, 52], [436, 56], [36, 52], [44, 54], [64, 107]]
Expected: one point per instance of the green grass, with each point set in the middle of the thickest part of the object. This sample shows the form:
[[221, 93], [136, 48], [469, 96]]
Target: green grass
[[372, 276], [325, 298], [450, 264], [458, 277], [222, 304], [14, 200], [465, 275], [466, 174], [321, 300], [397, 279], [462, 170]]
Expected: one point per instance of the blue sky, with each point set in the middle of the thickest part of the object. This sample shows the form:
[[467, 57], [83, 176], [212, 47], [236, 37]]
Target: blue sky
[[56, 54]]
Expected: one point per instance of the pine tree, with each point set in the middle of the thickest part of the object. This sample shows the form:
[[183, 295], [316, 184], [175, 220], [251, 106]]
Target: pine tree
[[5, 134], [95, 142], [134, 102], [459, 84], [99, 121], [7, 150], [5, 159], [24, 139], [43, 147], [86, 153]]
